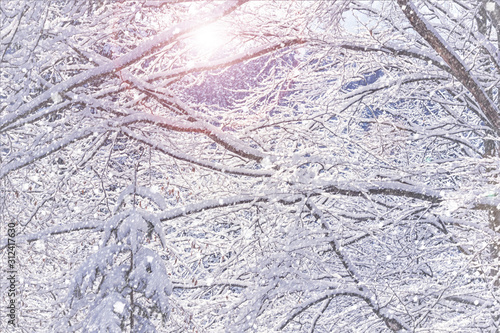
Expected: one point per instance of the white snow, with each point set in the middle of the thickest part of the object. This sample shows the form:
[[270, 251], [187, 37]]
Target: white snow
[[118, 307]]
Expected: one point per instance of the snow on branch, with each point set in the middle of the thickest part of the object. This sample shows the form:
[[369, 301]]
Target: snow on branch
[[393, 322], [136, 54], [142, 191], [226, 62], [303, 306], [188, 158], [99, 225], [343, 188], [195, 124], [397, 50], [32, 156], [458, 68], [388, 188]]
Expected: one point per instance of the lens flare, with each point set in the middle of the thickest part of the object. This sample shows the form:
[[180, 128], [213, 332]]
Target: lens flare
[[208, 39]]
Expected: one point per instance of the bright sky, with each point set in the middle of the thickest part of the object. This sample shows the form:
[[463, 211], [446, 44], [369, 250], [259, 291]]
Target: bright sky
[[209, 37]]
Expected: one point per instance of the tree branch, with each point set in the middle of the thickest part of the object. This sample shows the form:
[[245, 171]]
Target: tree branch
[[458, 68], [136, 54]]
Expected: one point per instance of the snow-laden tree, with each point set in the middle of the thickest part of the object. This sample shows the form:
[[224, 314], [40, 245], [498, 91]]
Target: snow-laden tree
[[251, 166]]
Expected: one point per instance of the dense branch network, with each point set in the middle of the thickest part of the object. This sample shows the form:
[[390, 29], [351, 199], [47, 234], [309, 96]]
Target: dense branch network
[[331, 166]]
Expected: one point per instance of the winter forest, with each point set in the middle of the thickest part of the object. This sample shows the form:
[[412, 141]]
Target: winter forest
[[250, 166]]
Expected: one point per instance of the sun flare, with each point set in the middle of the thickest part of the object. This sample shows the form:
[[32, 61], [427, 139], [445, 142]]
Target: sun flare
[[209, 38]]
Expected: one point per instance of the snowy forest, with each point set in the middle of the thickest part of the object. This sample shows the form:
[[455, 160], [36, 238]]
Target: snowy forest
[[250, 166]]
